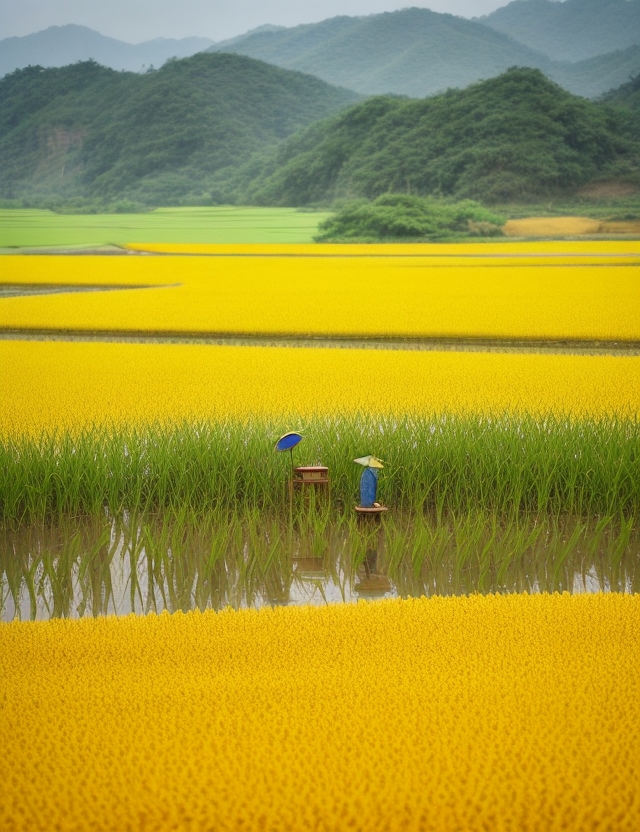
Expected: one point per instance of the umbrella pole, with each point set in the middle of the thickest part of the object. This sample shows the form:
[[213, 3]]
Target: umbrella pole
[[291, 491]]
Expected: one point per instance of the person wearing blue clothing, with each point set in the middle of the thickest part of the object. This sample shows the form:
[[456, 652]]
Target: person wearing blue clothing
[[369, 480], [368, 487]]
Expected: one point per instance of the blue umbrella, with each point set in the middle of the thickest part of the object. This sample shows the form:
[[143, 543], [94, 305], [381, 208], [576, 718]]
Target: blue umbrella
[[288, 442]]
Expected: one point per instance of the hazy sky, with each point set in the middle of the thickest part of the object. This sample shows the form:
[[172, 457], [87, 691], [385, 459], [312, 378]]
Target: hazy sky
[[138, 20]]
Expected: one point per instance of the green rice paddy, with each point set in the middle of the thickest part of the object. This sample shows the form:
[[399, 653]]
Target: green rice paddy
[[32, 228], [510, 464], [189, 516]]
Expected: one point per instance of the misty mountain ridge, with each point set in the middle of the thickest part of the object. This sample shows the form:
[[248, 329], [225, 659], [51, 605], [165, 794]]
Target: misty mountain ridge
[[594, 77], [62, 45], [417, 52], [413, 52], [572, 30]]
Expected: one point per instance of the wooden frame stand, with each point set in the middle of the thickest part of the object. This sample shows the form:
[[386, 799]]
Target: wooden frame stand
[[306, 475]]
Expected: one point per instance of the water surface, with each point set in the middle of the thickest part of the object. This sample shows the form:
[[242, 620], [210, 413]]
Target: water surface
[[107, 566]]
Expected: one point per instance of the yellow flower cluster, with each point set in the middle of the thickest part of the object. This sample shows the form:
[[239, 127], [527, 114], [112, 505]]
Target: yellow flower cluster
[[48, 385], [481, 713], [454, 296]]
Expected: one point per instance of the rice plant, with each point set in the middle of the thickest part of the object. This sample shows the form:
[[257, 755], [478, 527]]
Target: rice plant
[[506, 464]]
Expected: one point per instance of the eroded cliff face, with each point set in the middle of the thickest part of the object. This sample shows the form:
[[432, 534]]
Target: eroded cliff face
[[57, 140], [58, 145], [59, 158]]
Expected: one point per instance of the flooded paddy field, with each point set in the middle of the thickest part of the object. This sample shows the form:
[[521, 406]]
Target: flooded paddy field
[[103, 566], [199, 515]]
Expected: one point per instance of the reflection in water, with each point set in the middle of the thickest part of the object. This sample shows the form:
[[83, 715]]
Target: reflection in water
[[178, 562]]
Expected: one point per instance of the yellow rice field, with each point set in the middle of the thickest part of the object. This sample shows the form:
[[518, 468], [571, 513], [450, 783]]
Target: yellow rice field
[[554, 298], [479, 713], [499, 248], [51, 385], [567, 226]]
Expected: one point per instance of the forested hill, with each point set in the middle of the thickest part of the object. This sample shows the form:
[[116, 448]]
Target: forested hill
[[514, 137], [572, 30], [418, 52], [84, 130]]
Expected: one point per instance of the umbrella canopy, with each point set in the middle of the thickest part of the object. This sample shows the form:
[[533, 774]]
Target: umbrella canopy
[[288, 441], [369, 461]]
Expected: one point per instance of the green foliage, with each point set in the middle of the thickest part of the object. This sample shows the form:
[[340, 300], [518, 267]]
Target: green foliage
[[158, 138], [403, 215], [513, 138], [220, 129], [457, 463], [606, 208]]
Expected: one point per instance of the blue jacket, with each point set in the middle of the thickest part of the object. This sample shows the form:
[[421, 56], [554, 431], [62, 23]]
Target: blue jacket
[[368, 487]]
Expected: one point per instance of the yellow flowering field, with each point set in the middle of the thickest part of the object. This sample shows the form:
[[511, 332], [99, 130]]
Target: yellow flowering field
[[50, 385], [480, 713], [495, 297], [487, 248]]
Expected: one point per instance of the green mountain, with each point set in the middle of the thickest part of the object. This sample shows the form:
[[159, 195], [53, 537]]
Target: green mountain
[[417, 52], [514, 137], [572, 30], [159, 138]]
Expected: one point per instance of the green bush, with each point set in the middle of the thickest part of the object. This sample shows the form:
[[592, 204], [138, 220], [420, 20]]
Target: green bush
[[401, 216]]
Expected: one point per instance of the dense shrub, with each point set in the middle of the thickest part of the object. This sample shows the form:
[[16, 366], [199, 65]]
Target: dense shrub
[[403, 215]]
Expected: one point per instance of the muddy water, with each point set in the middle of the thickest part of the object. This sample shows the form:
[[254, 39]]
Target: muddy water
[[570, 346], [141, 565]]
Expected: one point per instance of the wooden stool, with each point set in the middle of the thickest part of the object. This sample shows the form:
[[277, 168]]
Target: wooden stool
[[315, 475]]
